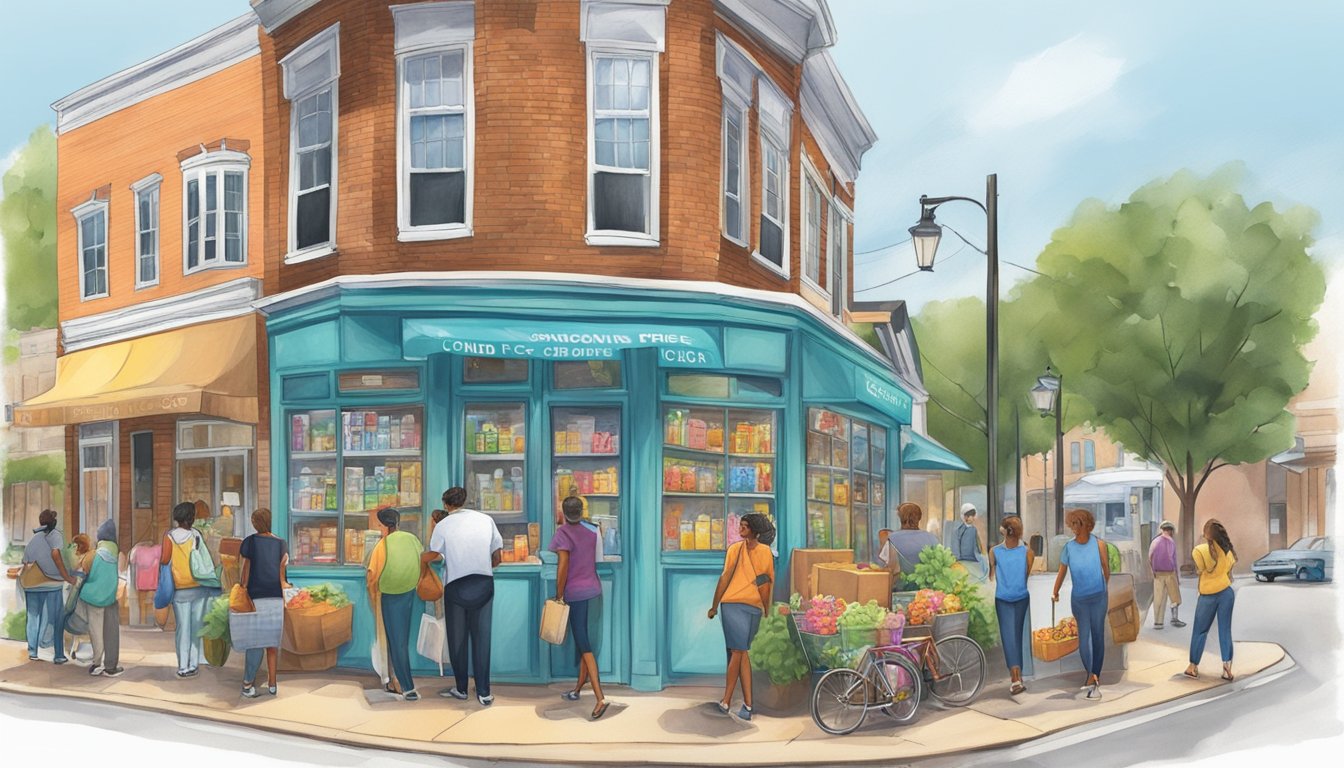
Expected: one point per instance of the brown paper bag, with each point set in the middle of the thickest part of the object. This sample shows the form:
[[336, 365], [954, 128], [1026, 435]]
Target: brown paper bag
[[554, 621]]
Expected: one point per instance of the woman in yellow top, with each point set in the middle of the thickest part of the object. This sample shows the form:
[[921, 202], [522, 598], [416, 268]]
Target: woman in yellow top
[[1213, 562], [744, 590], [189, 596]]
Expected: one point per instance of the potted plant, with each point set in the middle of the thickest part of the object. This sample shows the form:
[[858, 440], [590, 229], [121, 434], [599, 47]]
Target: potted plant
[[781, 682], [937, 570], [215, 632]]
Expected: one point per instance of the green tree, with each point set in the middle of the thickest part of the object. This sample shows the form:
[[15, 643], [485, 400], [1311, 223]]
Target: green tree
[[28, 225], [1181, 318]]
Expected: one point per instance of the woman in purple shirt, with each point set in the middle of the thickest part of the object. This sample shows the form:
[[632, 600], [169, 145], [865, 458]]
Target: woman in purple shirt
[[576, 544]]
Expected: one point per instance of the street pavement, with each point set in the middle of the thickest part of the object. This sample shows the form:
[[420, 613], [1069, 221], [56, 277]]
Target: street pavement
[[676, 726]]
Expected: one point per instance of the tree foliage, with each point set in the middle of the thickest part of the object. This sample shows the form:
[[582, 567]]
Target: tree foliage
[[1181, 315], [28, 225]]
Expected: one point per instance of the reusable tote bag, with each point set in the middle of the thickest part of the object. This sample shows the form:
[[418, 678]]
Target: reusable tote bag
[[202, 566], [554, 620], [163, 593], [433, 640]]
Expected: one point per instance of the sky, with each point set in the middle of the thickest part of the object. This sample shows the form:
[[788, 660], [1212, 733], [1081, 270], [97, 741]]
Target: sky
[[1064, 100]]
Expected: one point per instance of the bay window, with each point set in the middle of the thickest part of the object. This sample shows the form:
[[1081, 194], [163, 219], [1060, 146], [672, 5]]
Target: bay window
[[214, 197]]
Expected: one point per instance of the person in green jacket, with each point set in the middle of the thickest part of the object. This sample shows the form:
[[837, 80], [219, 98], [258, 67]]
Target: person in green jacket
[[99, 593], [394, 570]]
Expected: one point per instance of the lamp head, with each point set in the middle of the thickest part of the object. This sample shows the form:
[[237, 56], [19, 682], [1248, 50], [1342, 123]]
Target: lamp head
[[926, 233], [1043, 399]]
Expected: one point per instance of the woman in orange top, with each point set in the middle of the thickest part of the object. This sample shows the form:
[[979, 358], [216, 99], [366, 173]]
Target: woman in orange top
[[744, 590]]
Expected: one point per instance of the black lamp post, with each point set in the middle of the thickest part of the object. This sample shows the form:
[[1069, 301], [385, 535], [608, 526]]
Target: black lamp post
[[926, 235], [1047, 396]]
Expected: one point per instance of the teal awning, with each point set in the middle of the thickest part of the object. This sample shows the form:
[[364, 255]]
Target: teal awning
[[926, 453]]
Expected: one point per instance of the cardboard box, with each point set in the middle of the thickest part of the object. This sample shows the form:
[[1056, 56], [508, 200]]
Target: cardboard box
[[309, 631], [306, 662], [852, 583], [801, 562]]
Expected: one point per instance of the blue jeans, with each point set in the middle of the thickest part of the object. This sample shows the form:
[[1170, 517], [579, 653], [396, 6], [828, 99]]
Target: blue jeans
[[252, 663], [45, 606], [1090, 611], [1012, 616], [468, 605], [189, 616], [397, 625], [1210, 606]]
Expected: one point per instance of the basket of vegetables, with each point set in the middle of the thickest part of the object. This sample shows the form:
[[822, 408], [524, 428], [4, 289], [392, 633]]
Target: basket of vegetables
[[318, 619], [859, 624], [819, 631]]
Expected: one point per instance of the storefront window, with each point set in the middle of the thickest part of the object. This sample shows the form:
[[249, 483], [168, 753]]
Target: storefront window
[[495, 448], [342, 473], [718, 465], [494, 370], [592, 374], [723, 387], [214, 467], [846, 482], [586, 462]]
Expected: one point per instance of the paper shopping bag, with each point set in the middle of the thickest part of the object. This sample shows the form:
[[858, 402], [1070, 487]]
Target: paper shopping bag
[[554, 620]]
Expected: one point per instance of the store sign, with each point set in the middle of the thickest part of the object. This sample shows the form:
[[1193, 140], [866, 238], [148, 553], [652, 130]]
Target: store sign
[[885, 397], [678, 346]]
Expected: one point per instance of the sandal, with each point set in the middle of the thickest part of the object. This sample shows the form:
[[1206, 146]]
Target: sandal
[[601, 709], [1191, 675], [1017, 687], [1227, 671]]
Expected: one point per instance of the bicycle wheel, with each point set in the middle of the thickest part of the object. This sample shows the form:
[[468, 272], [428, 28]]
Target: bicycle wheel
[[904, 679], [961, 670], [840, 701]]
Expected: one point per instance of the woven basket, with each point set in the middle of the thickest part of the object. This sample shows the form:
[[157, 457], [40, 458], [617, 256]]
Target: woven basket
[[1053, 650]]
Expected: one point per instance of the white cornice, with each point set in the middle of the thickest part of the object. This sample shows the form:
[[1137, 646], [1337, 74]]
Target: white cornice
[[833, 115], [231, 299], [308, 294], [794, 28], [218, 49], [273, 13]]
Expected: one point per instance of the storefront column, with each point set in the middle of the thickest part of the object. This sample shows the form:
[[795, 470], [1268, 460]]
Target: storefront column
[[648, 635]]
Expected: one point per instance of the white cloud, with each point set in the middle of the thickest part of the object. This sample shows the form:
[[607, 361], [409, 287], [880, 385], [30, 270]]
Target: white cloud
[[1049, 84]]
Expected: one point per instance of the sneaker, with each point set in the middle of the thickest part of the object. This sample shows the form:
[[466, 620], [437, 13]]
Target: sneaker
[[270, 689], [1177, 623], [32, 657], [411, 695], [485, 700], [453, 693], [96, 669], [61, 660], [250, 691], [186, 673], [1157, 626], [744, 713], [113, 672]]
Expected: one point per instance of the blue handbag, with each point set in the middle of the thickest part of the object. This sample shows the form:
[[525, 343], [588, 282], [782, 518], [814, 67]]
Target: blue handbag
[[163, 594]]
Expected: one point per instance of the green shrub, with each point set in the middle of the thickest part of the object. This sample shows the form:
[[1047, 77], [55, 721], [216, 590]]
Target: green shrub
[[775, 651], [16, 625]]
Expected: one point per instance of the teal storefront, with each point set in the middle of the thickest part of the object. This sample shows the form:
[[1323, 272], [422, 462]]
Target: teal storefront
[[672, 412]]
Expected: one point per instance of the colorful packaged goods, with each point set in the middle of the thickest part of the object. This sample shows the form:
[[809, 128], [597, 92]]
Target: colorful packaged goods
[[696, 434], [671, 527]]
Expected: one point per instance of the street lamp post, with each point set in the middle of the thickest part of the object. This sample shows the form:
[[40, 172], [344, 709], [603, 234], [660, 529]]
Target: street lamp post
[[926, 234], [1048, 396]]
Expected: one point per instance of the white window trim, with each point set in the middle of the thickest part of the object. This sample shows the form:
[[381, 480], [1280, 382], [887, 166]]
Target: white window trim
[[407, 233], [842, 214], [326, 43], [151, 183], [92, 207], [812, 175], [743, 109], [781, 269], [221, 161], [605, 237], [112, 444]]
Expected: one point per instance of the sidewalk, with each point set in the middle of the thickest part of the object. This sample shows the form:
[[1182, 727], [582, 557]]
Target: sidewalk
[[677, 725]]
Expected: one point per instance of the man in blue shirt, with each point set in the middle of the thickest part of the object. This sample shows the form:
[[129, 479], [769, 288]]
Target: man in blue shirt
[[966, 542]]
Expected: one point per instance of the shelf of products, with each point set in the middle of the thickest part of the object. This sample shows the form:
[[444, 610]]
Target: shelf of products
[[846, 482], [586, 462], [495, 451], [343, 467], [718, 465]]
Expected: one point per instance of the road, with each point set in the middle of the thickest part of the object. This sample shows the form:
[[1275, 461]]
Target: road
[[1296, 715]]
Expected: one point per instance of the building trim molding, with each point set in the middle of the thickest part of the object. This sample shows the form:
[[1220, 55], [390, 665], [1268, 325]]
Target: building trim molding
[[833, 115], [274, 13], [231, 299], [216, 50], [793, 28]]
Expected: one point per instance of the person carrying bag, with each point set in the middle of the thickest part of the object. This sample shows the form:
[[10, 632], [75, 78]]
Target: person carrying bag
[[43, 579], [744, 593]]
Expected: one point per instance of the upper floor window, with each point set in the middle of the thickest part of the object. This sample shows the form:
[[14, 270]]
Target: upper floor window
[[1089, 456], [1075, 456], [622, 148], [311, 74], [774, 113], [814, 211], [147, 230], [837, 265], [737, 77], [435, 119], [92, 224], [214, 195]]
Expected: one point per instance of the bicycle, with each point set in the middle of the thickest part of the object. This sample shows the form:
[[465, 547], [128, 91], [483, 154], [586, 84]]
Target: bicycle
[[892, 679]]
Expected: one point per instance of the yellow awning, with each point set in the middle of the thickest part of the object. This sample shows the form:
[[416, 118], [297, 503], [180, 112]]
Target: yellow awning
[[209, 369]]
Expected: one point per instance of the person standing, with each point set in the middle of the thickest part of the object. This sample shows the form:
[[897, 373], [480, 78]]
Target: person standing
[[1009, 564], [744, 590], [99, 595], [189, 597], [1084, 560], [1213, 562], [577, 545], [44, 590], [264, 575], [907, 542], [966, 542], [470, 546], [1166, 576], [394, 570]]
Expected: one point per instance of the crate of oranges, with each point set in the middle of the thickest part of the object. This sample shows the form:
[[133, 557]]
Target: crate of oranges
[[1054, 643]]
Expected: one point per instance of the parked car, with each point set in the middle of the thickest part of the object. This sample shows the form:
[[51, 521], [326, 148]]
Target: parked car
[[1310, 558]]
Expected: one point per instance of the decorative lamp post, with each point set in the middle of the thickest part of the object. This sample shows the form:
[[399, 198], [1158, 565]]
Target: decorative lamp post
[[1047, 397], [926, 235]]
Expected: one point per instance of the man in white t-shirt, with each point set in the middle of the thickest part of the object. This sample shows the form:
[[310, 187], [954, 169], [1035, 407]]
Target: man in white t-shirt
[[469, 544]]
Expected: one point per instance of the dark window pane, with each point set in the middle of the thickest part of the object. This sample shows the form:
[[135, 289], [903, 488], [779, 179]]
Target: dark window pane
[[494, 369], [619, 202], [733, 217], [591, 374], [772, 242], [314, 218], [438, 198]]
